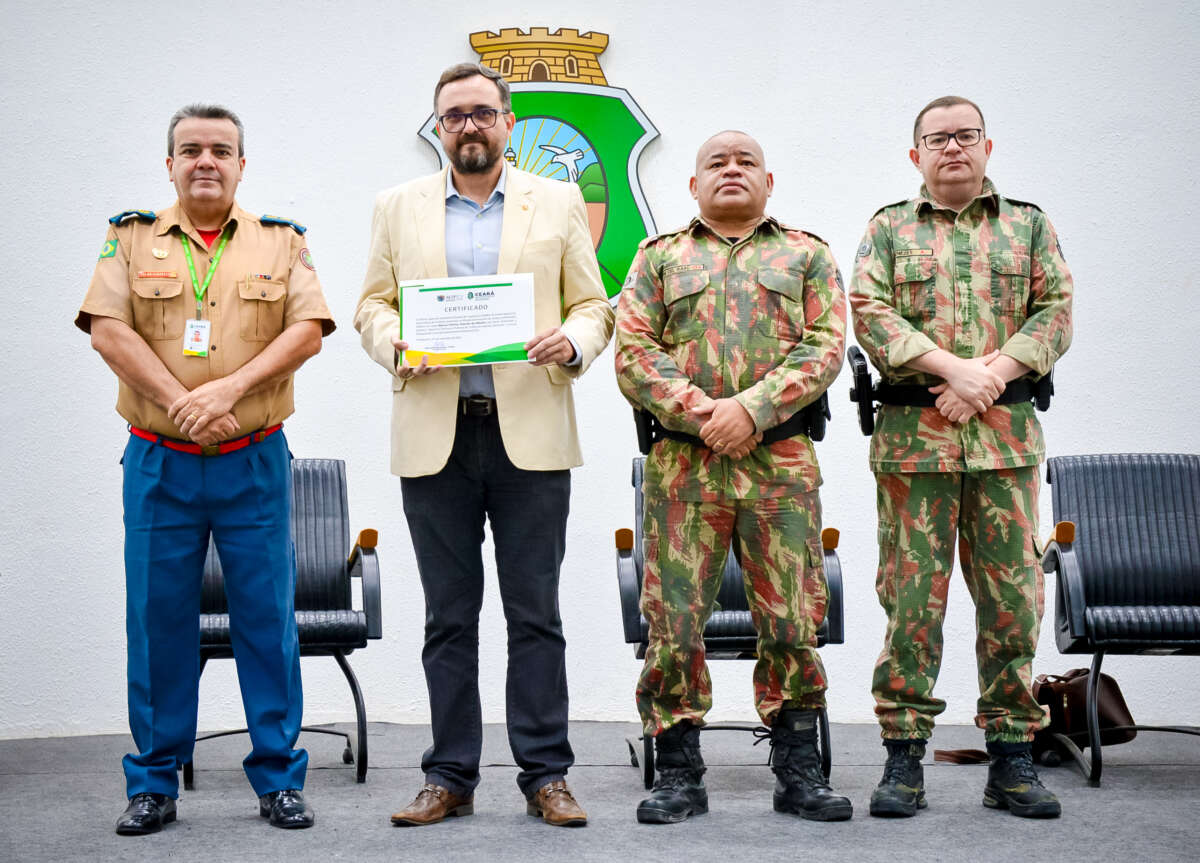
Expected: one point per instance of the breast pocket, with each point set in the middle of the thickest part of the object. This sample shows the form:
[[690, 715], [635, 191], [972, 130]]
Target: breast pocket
[[260, 309], [913, 282], [685, 297], [1010, 282], [779, 314], [158, 309]]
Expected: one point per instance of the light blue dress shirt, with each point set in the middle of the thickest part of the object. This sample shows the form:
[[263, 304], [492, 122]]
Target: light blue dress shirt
[[473, 249]]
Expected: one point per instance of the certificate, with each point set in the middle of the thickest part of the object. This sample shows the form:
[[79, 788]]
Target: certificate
[[467, 320]]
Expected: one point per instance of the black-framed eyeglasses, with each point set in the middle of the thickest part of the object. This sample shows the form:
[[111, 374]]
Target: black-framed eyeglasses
[[964, 137], [483, 118]]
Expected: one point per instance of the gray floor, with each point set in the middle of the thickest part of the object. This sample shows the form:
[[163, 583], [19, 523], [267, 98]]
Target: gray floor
[[59, 798]]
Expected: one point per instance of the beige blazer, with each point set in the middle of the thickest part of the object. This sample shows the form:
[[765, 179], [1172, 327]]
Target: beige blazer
[[545, 233]]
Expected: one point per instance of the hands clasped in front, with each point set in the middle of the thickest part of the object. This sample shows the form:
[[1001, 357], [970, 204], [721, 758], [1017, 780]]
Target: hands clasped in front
[[205, 415], [727, 428], [971, 388]]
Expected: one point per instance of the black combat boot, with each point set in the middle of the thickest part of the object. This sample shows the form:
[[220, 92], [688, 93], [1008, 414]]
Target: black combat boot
[[901, 791], [800, 786], [1013, 783], [679, 788]]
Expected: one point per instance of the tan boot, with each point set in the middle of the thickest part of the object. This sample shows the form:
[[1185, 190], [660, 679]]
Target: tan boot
[[554, 802], [433, 803]]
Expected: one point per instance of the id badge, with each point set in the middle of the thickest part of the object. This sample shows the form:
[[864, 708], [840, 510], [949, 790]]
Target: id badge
[[195, 338]]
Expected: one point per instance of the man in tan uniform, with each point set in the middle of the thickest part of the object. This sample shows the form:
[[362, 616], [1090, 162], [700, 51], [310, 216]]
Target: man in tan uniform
[[204, 312]]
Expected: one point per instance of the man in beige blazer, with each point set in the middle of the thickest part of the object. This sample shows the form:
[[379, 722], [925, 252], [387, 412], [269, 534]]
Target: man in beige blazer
[[488, 443]]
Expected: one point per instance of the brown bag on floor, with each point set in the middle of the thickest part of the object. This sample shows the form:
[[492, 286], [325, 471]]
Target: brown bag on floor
[[1066, 697]]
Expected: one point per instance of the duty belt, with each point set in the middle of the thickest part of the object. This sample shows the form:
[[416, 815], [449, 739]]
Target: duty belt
[[915, 395], [809, 420], [209, 450], [866, 392]]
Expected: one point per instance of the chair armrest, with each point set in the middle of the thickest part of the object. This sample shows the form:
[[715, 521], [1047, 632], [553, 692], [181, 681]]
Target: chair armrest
[[627, 583], [833, 578], [364, 563], [1059, 557]]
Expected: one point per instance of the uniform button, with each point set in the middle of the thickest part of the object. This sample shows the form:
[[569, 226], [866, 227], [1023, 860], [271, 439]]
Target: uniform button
[[156, 292], [214, 347], [213, 303], [263, 293]]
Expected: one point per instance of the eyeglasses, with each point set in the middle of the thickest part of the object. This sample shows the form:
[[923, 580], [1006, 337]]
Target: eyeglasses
[[483, 118], [964, 137]]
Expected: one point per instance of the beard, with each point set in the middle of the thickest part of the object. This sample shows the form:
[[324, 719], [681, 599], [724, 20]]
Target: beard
[[477, 161]]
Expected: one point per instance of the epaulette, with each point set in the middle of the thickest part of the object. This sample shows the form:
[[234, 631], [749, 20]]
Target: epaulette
[[280, 220], [889, 206], [659, 236], [148, 215], [1023, 204]]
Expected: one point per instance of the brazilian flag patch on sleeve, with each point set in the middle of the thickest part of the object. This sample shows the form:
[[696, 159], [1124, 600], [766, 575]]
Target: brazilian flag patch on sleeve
[[110, 249]]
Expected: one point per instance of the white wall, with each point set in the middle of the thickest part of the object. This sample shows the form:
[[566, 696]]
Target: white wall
[[1093, 108]]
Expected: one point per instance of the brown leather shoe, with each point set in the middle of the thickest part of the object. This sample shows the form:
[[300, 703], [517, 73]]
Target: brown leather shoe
[[554, 802], [433, 803]]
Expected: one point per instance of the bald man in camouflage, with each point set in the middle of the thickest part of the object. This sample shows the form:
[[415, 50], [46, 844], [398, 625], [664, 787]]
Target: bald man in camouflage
[[725, 330]]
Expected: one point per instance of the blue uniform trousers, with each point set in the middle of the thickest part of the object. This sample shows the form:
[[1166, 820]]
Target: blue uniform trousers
[[172, 501]]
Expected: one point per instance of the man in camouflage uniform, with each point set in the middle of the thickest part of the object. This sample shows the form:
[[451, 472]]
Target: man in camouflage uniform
[[726, 329], [964, 295]]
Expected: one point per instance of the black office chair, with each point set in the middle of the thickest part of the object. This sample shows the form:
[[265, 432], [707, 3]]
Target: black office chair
[[1126, 548]]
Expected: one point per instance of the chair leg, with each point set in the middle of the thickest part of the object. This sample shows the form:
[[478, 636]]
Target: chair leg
[[361, 712], [826, 746], [1093, 720]]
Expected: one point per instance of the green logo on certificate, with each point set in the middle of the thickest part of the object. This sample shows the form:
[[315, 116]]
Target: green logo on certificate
[[571, 126]]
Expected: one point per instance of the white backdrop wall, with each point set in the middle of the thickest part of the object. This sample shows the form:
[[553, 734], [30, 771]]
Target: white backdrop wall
[[1093, 107]]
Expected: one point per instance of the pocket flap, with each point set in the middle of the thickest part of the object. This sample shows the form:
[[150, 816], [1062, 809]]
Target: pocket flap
[[157, 289], [679, 285], [1010, 263], [785, 282], [914, 269], [261, 291]]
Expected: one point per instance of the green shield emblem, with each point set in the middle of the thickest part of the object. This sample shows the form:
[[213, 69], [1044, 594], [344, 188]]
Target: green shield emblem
[[585, 133]]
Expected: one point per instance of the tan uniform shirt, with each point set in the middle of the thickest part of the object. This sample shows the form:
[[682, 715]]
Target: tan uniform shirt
[[264, 283]]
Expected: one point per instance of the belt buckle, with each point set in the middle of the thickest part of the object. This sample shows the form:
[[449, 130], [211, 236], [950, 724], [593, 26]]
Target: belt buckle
[[479, 406], [210, 449]]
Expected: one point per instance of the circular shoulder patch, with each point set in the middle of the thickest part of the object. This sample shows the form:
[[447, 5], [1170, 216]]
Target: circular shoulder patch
[[864, 250], [306, 259]]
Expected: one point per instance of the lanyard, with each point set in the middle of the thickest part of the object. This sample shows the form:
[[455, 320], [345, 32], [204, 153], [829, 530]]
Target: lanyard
[[198, 289]]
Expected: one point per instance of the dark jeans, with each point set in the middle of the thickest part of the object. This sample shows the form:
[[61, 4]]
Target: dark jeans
[[528, 513]]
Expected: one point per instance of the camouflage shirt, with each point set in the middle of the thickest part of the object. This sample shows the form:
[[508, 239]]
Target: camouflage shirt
[[991, 276], [761, 320]]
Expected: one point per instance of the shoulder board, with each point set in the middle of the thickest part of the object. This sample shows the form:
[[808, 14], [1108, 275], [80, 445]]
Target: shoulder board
[[814, 236], [147, 215], [280, 220], [1023, 204], [660, 236], [889, 206]]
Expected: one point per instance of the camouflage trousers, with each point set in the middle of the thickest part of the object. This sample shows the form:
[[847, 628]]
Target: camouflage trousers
[[778, 541], [994, 514]]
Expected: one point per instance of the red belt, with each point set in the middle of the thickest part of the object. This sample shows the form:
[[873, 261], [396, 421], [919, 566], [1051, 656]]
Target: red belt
[[212, 449]]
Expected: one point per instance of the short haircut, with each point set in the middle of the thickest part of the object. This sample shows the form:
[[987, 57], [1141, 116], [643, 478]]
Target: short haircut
[[944, 102], [206, 112], [468, 70]]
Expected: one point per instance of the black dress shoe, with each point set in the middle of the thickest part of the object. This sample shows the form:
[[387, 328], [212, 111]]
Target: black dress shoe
[[286, 809], [146, 813]]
